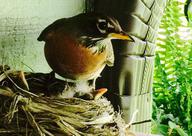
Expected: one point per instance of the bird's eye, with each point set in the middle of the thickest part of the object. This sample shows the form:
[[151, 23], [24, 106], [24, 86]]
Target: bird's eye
[[102, 26]]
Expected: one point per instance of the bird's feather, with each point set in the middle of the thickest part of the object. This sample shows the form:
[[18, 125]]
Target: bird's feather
[[57, 24], [106, 45], [110, 55]]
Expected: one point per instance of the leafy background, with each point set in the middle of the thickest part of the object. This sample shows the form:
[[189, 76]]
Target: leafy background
[[172, 107]]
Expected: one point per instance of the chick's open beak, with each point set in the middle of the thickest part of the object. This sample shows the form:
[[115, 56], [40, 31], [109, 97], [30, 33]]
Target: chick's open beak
[[122, 36]]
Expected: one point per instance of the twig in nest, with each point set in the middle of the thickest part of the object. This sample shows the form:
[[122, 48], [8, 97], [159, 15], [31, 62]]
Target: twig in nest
[[32, 122], [21, 89]]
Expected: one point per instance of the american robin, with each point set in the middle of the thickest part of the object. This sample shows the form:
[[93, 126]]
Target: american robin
[[79, 47]]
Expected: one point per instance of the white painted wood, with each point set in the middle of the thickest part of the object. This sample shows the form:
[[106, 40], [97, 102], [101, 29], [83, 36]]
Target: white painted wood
[[151, 35], [131, 75], [148, 3], [132, 48], [137, 27], [141, 11], [150, 49]]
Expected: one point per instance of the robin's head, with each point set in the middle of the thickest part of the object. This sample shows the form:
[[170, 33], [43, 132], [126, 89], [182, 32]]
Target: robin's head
[[99, 25], [84, 25]]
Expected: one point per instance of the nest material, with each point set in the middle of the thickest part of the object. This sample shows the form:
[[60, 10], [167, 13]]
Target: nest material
[[27, 109]]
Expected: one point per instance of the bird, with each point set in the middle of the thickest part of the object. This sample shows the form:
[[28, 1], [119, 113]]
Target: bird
[[79, 47]]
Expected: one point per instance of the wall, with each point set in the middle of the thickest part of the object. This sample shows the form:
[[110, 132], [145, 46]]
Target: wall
[[21, 21]]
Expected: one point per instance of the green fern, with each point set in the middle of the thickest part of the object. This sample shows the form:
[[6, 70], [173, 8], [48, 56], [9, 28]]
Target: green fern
[[173, 72]]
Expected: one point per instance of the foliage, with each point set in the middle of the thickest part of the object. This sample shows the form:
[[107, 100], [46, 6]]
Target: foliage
[[173, 74]]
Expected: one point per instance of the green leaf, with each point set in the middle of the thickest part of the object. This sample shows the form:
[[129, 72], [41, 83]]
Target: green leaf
[[159, 128], [179, 130]]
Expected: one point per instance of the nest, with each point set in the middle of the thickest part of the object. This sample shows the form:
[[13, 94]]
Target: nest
[[27, 109]]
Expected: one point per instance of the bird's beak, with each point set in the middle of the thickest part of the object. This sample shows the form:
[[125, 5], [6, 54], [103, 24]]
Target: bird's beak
[[122, 36]]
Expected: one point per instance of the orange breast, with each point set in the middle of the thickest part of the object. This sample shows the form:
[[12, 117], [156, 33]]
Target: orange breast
[[71, 60]]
